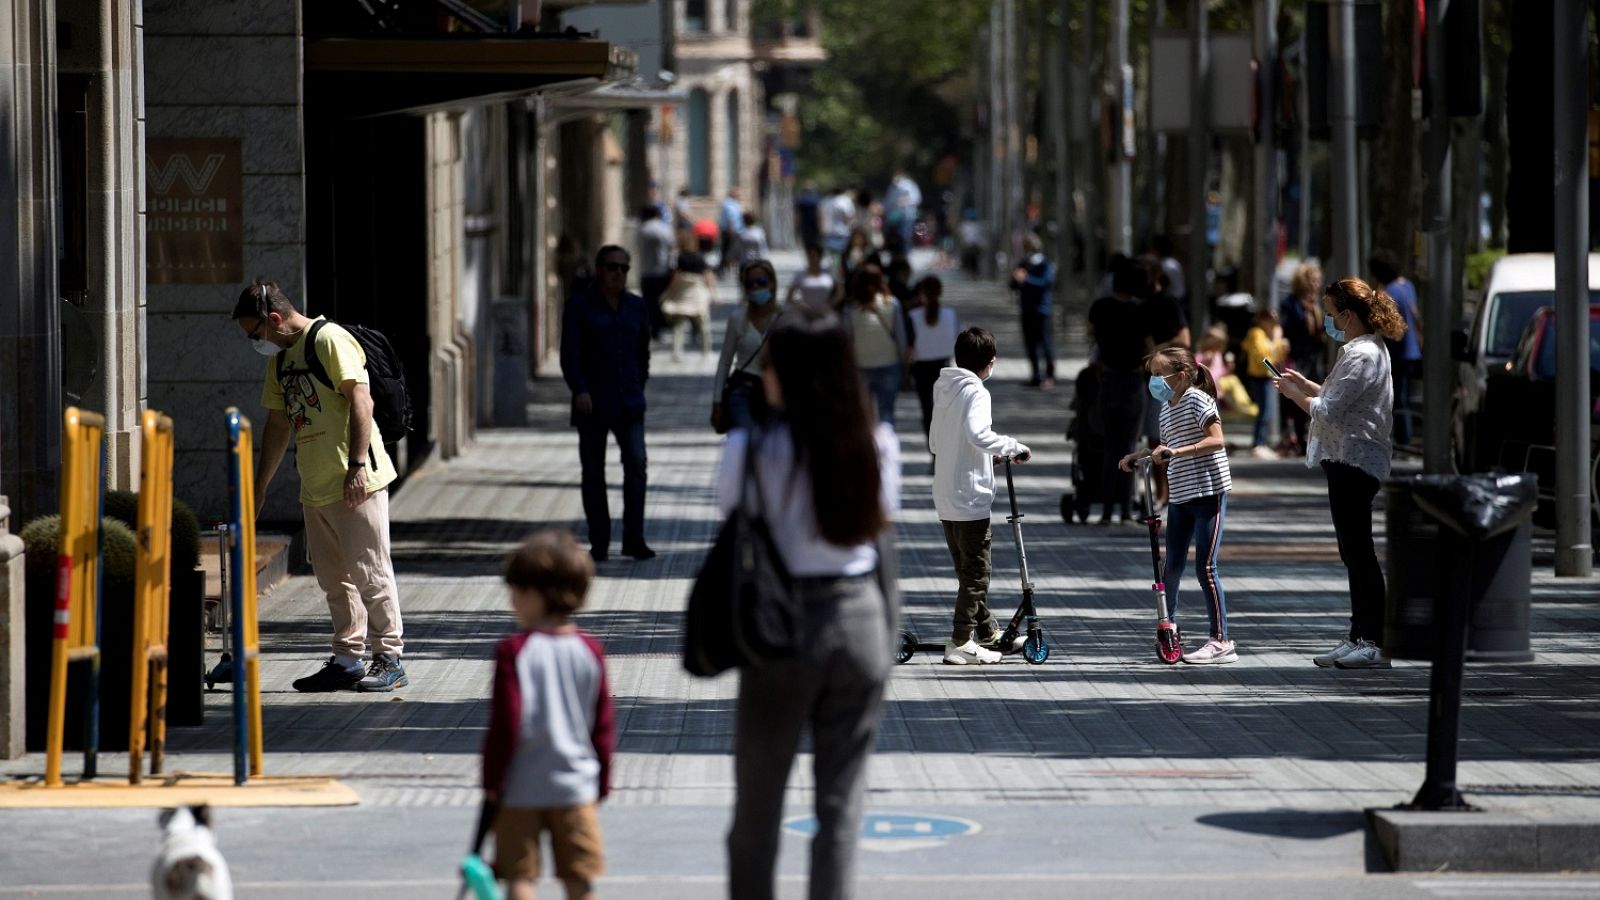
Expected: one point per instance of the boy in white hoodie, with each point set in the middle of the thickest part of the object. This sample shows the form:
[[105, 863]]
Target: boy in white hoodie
[[964, 447]]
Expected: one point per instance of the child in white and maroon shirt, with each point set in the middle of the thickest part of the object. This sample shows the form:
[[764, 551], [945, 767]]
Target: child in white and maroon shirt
[[547, 757]]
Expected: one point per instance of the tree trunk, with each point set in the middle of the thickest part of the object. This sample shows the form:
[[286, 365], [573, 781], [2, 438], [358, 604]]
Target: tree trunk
[[1394, 186], [1496, 50], [1530, 108]]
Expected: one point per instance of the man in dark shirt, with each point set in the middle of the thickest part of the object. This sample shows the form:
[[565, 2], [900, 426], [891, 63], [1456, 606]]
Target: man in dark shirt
[[1122, 341], [605, 358], [1035, 283], [806, 211]]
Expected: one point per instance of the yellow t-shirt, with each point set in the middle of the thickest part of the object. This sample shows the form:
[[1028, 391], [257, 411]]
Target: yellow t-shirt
[[1258, 345], [320, 415]]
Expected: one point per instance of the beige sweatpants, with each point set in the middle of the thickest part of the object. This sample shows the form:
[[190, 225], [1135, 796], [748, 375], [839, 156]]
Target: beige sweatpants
[[350, 555]]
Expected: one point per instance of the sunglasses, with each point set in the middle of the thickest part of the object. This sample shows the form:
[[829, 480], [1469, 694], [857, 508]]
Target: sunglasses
[[617, 267], [758, 282]]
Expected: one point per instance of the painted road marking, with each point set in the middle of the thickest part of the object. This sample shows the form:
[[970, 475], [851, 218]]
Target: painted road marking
[[891, 832]]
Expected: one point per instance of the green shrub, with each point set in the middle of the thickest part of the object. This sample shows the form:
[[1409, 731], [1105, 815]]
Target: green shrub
[[124, 507], [118, 547], [1477, 267]]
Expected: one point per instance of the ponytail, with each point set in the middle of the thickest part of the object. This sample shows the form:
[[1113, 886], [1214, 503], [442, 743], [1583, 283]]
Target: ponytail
[[1373, 306], [931, 289]]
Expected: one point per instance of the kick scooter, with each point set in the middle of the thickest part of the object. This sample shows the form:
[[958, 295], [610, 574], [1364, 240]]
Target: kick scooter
[[1035, 649], [1169, 643]]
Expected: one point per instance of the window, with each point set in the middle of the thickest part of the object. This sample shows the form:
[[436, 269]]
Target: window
[[731, 22], [699, 142], [731, 151], [694, 15]]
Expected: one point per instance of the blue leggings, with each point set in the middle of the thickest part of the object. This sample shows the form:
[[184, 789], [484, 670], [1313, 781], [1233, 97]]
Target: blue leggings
[[1198, 521]]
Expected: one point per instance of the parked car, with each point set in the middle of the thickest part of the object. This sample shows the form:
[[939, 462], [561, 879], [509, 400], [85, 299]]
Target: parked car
[[1516, 424], [1518, 286]]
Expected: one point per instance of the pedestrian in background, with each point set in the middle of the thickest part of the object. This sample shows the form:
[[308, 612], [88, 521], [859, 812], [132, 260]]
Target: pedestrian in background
[[964, 445], [1171, 269], [655, 260], [730, 222], [1121, 340], [1301, 315], [873, 319], [1264, 341], [737, 399], [345, 474], [901, 204], [605, 359], [857, 252], [933, 342], [687, 302], [1035, 284], [1405, 352], [829, 483], [1352, 418], [807, 208], [752, 238], [816, 287], [839, 220], [1195, 455], [547, 753]]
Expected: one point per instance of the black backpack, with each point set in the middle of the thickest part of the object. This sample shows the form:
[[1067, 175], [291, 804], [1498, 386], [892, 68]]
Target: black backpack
[[386, 378]]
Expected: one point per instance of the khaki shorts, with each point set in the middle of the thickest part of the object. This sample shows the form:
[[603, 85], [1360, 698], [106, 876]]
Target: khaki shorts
[[575, 842]]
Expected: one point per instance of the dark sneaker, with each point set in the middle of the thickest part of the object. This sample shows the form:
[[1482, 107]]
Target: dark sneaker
[[384, 675], [599, 554], [639, 552], [333, 676]]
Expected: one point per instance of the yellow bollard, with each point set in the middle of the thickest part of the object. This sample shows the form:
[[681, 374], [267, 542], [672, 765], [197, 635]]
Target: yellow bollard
[[77, 584], [152, 588], [248, 739]]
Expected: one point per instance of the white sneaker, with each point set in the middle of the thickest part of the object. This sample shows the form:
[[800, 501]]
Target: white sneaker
[[993, 643], [1332, 656], [1212, 653], [1366, 655], [1263, 452], [968, 654]]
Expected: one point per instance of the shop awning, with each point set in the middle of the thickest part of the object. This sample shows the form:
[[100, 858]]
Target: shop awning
[[380, 75], [619, 96]]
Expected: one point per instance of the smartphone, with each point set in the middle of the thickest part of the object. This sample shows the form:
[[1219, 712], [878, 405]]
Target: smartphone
[[1272, 368]]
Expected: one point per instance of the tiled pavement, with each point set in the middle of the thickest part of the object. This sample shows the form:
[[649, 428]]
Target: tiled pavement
[[1100, 725]]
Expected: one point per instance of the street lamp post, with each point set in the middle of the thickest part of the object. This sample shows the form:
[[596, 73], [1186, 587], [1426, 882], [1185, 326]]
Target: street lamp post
[[1345, 187], [1437, 381], [1574, 554], [1199, 166]]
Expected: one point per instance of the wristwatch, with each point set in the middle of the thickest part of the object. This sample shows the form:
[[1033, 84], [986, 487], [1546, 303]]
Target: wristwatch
[[358, 465]]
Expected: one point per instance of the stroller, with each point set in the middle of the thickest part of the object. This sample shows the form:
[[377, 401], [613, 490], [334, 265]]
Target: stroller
[[1087, 444]]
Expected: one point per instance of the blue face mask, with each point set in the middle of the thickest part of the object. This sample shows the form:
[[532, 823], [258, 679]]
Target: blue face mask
[[1159, 389], [759, 297], [1333, 332]]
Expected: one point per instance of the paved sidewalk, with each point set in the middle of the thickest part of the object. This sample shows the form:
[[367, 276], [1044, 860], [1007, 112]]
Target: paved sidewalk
[[1101, 763]]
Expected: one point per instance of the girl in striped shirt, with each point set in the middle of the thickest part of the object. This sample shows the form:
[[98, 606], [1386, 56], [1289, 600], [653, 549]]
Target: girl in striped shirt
[[1195, 457]]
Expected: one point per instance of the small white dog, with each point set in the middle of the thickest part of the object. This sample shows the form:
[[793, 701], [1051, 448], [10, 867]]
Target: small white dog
[[189, 866]]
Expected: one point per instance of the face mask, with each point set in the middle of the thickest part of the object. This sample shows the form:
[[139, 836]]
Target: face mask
[[1333, 332], [759, 297], [265, 348], [1159, 388]]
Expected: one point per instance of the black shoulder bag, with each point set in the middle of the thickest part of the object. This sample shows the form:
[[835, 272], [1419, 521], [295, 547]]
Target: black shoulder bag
[[743, 609]]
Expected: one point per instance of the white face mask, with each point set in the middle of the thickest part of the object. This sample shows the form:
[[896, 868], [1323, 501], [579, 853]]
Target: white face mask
[[265, 348]]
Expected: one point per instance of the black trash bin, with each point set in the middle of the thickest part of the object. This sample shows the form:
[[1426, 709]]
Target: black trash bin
[[1461, 565], [1425, 558]]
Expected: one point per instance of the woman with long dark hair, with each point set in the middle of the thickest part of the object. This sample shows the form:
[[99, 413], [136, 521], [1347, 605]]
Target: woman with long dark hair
[[876, 326], [933, 343], [829, 480], [1352, 417]]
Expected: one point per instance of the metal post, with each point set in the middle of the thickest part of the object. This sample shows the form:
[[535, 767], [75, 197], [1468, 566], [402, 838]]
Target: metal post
[[1199, 166], [1574, 555], [1342, 117], [1119, 227], [1016, 202], [1061, 76], [994, 214], [1437, 369], [1266, 157]]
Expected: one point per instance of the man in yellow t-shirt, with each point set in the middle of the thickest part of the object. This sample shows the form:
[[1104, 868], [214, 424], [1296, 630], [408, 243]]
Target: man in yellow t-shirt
[[345, 473]]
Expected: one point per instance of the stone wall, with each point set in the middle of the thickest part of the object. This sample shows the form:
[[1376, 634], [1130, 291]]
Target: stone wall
[[232, 69]]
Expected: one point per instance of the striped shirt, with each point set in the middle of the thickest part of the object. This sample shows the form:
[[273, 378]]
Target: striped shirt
[[1184, 424]]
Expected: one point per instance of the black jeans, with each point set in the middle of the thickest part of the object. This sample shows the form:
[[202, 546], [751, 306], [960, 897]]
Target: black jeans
[[592, 433], [1350, 495], [1040, 344], [925, 373], [1122, 399]]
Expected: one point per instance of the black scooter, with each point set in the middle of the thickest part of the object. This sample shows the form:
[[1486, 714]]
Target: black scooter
[[1036, 649]]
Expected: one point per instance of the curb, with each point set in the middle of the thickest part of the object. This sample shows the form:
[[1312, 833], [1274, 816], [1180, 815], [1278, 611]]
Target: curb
[[1418, 841]]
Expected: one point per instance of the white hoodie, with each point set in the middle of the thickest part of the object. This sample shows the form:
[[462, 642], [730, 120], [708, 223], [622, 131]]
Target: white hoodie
[[964, 444]]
